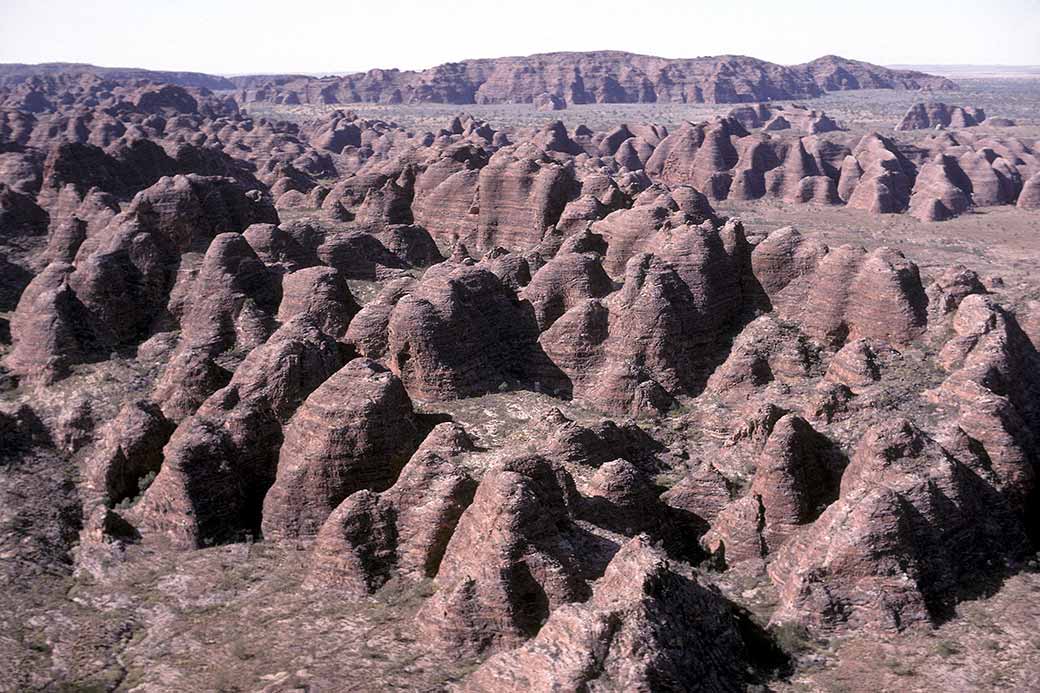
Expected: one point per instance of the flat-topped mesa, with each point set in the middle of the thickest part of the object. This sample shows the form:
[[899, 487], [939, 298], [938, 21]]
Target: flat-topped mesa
[[911, 529], [589, 77]]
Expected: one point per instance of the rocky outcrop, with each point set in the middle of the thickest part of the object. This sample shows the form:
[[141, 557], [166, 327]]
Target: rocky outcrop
[[657, 335], [783, 257], [912, 529], [591, 77], [278, 249], [647, 626], [220, 463], [1029, 198], [20, 216], [628, 232], [353, 433], [765, 351], [51, 327], [796, 477], [547, 102], [231, 310], [935, 114], [834, 73], [322, 294], [772, 117], [994, 389], [520, 195], [853, 294], [564, 281], [512, 560], [936, 196], [402, 532], [368, 330], [460, 333], [192, 208], [883, 177], [990, 179], [129, 449]]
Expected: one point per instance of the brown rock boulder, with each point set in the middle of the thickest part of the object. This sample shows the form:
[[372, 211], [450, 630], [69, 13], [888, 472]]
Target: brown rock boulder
[[646, 627], [912, 528], [354, 432], [460, 333], [513, 559], [403, 532], [322, 294], [856, 365], [796, 478], [220, 463]]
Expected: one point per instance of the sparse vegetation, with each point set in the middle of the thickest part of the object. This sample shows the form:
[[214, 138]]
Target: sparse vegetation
[[792, 638]]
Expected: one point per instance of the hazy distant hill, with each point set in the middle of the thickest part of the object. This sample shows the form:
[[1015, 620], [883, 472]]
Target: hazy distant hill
[[978, 71], [12, 74]]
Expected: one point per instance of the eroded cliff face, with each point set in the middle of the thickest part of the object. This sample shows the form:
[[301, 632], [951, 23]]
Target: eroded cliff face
[[592, 77]]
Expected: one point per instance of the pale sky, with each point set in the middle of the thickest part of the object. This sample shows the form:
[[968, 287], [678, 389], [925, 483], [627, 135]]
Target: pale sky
[[264, 36]]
